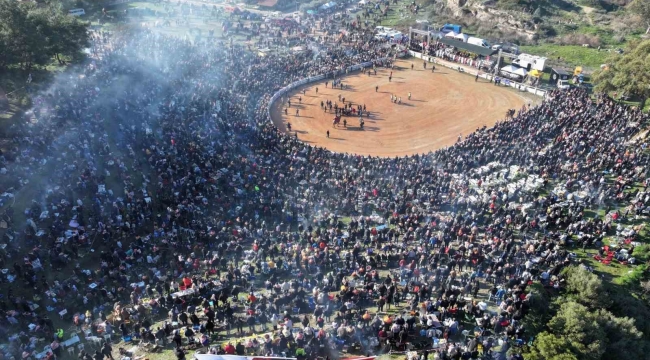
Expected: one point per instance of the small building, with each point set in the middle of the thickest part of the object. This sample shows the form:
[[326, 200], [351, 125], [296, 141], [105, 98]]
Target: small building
[[557, 75]]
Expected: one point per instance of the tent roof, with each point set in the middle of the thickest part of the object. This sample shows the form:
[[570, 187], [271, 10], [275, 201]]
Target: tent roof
[[514, 70], [479, 50], [560, 71], [521, 71]]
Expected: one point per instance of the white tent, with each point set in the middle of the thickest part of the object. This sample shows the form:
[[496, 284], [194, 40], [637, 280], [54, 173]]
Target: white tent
[[521, 72], [453, 35], [461, 37], [513, 72], [509, 69]]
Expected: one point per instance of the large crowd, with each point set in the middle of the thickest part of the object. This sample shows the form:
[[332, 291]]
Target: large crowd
[[171, 212]]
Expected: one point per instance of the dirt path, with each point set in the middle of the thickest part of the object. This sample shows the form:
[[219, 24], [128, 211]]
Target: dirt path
[[443, 105], [588, 10]]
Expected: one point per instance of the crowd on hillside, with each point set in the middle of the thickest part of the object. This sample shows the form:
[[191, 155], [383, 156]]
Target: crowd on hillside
[[163, 192]]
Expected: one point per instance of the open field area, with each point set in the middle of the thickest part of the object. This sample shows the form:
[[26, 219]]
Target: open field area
[[443, 105]]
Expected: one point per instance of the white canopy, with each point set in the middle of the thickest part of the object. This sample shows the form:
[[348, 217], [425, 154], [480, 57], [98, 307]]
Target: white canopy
[[514, 70], [453, 35], [521, 71]]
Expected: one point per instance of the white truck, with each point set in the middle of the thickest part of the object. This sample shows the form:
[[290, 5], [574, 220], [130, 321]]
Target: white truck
[[530, 62], [468, 39]]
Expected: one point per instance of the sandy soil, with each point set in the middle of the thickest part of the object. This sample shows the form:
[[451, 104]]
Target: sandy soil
[[443, 105]]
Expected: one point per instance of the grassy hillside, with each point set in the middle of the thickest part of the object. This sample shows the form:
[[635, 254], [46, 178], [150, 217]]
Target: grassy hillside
[[569, 55]]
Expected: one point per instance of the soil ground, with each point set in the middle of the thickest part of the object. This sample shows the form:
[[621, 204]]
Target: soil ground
[[443, 105]]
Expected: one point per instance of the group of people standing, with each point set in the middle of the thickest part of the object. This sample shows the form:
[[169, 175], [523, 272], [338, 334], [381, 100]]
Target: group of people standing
[[179, 214]]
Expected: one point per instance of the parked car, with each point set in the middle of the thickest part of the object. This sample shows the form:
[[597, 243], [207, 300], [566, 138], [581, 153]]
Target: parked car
[[506, 47]]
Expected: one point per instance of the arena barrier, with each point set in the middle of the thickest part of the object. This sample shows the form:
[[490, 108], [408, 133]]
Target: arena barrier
[[312, 79], [472, 71]]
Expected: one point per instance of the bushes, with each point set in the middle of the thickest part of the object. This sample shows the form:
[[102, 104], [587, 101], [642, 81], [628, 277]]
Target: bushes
[[635, 277], [546, 30], [579, 39], [590, 3], [508, 4], [642, 252]]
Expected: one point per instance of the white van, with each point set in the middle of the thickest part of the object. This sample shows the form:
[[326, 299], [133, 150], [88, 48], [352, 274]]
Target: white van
[[478, 42]]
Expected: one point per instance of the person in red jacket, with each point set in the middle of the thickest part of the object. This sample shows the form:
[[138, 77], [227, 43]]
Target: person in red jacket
[[251, 298], [229, 349]]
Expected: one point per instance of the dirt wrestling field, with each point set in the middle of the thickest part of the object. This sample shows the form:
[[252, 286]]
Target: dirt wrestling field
[[443, 105]]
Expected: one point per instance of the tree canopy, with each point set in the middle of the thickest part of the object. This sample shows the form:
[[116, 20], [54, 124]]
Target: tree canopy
[[588, 324], [587, 288], [32, 36], [628, 74]]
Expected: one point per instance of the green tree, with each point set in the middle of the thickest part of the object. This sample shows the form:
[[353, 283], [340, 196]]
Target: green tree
[[68, 36], [31, 36], [629, 74], [623, 337], [628, 305], [579, 326], [586, 288], [540, 309], [23, 33], [550, 347], [578, 332], [6, 42]]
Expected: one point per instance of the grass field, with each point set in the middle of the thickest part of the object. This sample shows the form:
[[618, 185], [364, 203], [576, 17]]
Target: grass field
[[569, 55]]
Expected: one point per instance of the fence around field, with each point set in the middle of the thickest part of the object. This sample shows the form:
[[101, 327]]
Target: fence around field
[[473, 71], [309, 80]]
